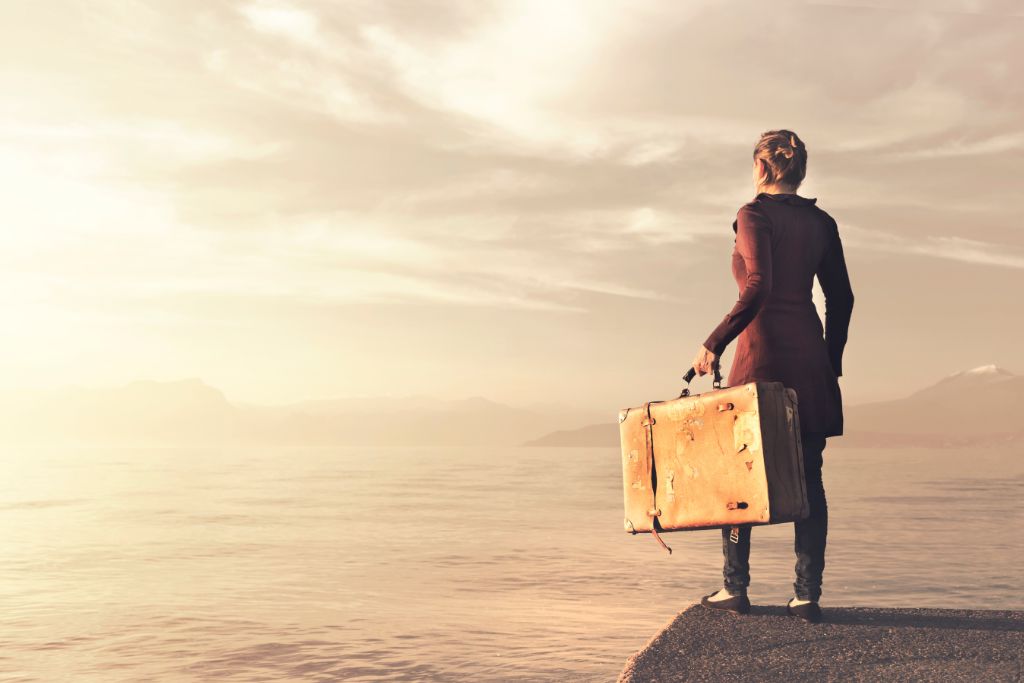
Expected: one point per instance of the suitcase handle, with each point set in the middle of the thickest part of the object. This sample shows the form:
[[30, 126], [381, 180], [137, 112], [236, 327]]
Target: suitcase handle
[[692, 372]]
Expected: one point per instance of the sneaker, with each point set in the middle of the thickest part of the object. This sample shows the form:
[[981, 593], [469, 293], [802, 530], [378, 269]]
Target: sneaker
[[807, 610], [723, 600]]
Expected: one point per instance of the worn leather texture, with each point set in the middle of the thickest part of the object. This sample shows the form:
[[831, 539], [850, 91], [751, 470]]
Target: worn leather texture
[[723, 458]]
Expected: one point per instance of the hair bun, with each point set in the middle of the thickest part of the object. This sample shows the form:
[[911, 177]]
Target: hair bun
[[784, 157]]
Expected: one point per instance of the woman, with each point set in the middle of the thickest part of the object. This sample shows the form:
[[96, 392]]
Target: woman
[[783, 241]]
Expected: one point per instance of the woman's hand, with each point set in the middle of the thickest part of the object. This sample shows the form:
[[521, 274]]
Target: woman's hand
[[704, 362]]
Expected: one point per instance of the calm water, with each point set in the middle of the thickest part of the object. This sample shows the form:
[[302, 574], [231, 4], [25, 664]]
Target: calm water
[[433, 563]]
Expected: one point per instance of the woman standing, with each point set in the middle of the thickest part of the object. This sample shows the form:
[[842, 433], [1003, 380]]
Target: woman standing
[[783, 241]]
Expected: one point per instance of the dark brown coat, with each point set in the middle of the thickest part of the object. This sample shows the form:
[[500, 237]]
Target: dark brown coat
[[782, 242]]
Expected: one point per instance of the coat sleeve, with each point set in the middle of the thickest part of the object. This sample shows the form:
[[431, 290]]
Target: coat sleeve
[[835, 285], [754, 245]]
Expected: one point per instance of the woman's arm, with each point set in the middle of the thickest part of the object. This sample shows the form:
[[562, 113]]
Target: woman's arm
[[835, 285], [754, 244]]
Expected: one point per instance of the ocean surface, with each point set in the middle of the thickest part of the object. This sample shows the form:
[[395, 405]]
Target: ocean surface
[[436, 563]]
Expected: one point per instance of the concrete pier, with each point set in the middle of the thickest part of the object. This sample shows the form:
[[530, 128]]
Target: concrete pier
[[852, 644]]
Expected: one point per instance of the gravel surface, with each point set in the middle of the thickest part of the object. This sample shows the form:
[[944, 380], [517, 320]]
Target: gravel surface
[[852, 644]]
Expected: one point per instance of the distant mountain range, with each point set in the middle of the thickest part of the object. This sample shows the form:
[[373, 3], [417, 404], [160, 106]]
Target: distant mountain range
[[974, 407], [190, 412], [979, 406]]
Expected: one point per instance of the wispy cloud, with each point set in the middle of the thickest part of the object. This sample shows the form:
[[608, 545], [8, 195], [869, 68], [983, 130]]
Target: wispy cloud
[[971, 251], [980, 7], [951, 248], [954, 147]]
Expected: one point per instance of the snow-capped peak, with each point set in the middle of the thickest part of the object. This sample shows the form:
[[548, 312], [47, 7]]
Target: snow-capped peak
[[981, 376], [983, 370]]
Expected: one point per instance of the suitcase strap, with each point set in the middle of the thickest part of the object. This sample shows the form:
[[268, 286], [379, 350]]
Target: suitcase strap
[[654, 512]]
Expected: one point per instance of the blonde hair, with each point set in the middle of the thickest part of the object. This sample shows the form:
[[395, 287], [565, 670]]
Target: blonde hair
[[785, 157]]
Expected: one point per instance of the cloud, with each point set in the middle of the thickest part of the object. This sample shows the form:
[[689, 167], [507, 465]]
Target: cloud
[[490, 77], [285, 20], [980, 7], [171, 141], [484, 153], [1000, 143], [971, 251], [351, 194], [949, 248]]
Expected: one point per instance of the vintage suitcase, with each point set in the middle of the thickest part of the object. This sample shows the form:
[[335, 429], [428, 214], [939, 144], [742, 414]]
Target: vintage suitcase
[[724, 458]]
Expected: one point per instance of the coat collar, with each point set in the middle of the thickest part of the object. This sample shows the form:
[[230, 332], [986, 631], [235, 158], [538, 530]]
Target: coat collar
[[788, 198]]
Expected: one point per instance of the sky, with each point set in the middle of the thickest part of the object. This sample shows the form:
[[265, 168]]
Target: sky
[[525, 200]]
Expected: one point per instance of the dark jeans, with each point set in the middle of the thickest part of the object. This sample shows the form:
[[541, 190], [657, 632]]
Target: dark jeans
[[809, 536]]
